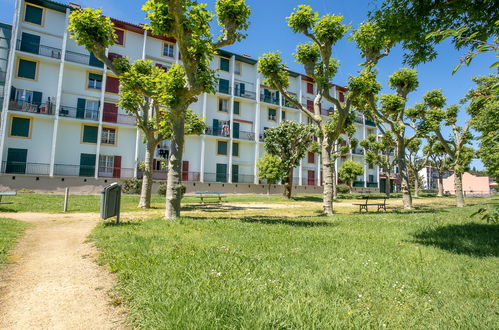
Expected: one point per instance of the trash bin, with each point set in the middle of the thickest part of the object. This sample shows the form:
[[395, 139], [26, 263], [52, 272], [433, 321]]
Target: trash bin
[[110, 202]]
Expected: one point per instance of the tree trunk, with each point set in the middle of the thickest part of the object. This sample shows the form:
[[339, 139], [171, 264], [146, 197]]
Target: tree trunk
[[416, 184], [288, 185], [327, 169], [174, 183], [268, 189], [388, 186], [458, 186], [333, 167], [440, 185], [404, 175], [145, 193]]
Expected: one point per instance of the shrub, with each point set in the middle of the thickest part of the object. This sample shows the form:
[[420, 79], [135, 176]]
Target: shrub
[[162, 189], [342, 189], [131, 186]]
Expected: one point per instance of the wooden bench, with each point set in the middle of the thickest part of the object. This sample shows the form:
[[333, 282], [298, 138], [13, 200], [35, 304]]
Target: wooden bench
[[217, 196], [363, 206], [7, 193]]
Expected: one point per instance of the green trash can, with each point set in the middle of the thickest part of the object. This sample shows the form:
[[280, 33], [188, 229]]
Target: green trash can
[[111, 202]]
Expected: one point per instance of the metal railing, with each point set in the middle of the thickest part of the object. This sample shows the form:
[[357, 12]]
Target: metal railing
[[358, 184], [224, 89], [14, 167], [288, 104], [47, 108], [242, 178], [372, 185], [272, 99], [72, 112], [243, 135], [38, 49], [246, 94], [118, 118], [82, 59]]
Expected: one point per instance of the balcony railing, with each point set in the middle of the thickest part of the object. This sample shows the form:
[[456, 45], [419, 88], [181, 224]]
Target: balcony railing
[[83, 59], [217, 132], [272, 99], [13, 167], [244, 93], [358, 151], [243, 135], [47, 108], [358, 184], [34, 48], [288, 104], [372, 185], [118, 118], [72, 112], [224, 89]]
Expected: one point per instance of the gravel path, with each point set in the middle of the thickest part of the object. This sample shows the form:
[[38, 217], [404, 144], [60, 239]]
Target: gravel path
[[54, 281]]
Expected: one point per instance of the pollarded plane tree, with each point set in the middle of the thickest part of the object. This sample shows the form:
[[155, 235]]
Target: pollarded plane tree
[[316, 57], [416, 161], [188, 22], [290, 141], [381, 151], [438, 160], [431, 117]]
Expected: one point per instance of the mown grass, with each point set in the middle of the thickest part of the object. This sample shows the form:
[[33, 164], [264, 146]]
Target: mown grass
[[10, 230], [406, 270]]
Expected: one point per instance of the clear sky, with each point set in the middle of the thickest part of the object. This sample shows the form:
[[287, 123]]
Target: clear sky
[[269, 32]]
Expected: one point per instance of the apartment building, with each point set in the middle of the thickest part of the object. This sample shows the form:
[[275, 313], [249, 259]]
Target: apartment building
[[60, 115]]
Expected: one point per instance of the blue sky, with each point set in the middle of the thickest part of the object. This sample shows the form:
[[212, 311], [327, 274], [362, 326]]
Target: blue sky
[[269, 32]]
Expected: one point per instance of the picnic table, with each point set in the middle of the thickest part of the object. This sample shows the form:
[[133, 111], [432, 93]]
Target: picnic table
[[363, 206], [207, 195], [7, 193]]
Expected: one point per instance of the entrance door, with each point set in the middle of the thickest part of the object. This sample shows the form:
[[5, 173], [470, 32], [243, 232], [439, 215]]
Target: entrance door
[[311, 178], [16, 161], [87, 164], [221, 172]]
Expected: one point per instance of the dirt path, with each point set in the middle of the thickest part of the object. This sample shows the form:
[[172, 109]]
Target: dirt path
[[54, 281]]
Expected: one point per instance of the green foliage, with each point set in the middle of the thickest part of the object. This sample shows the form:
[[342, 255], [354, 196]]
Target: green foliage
[[270, 168], [272, 67], [362, 87], [91, 29], [404, 81], [435, 98], [194, 124], [302, 19], [371, 40], [491, 215], [329, 29], [378, 151], [131, 186], [392, 104], [349, 170], [469, 23], [10, 230], [342, 189], [233, 13]]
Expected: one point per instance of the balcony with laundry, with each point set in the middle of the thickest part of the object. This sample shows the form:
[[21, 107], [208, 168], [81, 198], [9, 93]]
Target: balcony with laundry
[[222, 128], [31, 102]]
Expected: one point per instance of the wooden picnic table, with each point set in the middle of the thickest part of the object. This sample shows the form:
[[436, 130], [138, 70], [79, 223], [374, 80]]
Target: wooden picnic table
[[363, 206], [7, 193], [207, 195]]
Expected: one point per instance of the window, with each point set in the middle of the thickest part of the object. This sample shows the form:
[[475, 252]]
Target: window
[[168, 50], [90, 134], [223, 105], [108, 135], [310, 88], [238, 68], [235, 149], [106, 164], [224, 64], [283, 115], [92, 110], [311, 158], [237, 106], [20, 127], [371, 178], [221, 147], [27, 69], [120, 34], [272, 114], [224, 86], [33, 14], [94, 81]]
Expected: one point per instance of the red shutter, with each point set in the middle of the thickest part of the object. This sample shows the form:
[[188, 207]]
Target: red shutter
[[110, 113], [311, 158], [310, 88], [112, 56], [120, 36], [311, 178], [310, 106], [117, 167], [342, 97], [185, 170], [112, 85]]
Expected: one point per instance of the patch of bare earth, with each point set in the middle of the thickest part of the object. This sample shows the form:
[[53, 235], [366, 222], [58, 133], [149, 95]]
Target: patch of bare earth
[[54, 281]]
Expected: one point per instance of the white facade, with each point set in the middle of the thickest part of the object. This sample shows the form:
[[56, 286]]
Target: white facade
[[59, 119]]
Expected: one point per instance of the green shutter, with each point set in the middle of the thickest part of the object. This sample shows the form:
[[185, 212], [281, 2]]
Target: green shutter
[[16, 161], [236, 107], [37, 98], [242, 88], [235, 130], [30, 43], [26, 69], [33, 14], [90, 134], [94, 61], [20, 127], [12, 93], [235, 173], [223, 86], [235, 149], [224, 64], [94, 76], [215, 127], [80, 108], [221, 172], [87, 164], [222, 147]]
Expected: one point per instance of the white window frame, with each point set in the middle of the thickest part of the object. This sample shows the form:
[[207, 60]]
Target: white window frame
[[238, 68], [108, 135], [106, 164], [171, 49], [91, 109], [225, 105]]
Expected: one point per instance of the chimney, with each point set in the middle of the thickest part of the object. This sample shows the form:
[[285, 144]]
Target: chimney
[[74, 5]]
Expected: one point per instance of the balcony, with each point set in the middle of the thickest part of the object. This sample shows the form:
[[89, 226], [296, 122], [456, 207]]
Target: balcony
[[83, 59], [118, 118], [358, 151], [218, 132], [47, 108], [243, 135], [372, 185], [223, 177], [358, 184], [269, 98], [241, 92], [37, 49], [224, 89], [14, 167], [71, 112]]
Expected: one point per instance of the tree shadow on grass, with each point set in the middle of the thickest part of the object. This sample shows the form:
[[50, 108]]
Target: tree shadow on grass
[[307, 198], [295, 222], [7, 210], [219, 207], [473, 239]]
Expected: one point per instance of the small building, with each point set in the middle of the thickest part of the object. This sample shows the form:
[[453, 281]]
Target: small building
[[472, 185]]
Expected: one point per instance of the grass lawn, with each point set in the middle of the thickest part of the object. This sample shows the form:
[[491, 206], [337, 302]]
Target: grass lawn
[[432, 268], [9, 231]]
